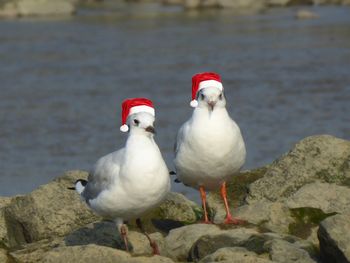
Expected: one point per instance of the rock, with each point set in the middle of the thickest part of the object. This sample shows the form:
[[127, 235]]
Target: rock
[[334, 237], [269, 216], [237, 190], [285, 252], [241, 237], [277, 2], [85, 254], [33, 252], [51, 210], [4, 201], [37, 8], [324, 158], [241, 4], [305, 14], [140, 244], [329, 198], [175, 211], [154, 259], [4, 256], [180, 240], [234, 255]]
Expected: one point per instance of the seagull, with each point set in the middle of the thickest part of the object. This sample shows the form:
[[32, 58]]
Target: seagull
[[209, 147], [125, 184]]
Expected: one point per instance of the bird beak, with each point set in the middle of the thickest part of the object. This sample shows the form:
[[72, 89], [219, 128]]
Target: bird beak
[[151, 129], [211, 104]]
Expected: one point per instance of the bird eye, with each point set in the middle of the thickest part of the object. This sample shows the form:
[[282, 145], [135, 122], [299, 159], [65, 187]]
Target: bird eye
[[202, 96], [220, 97], [137, 122]]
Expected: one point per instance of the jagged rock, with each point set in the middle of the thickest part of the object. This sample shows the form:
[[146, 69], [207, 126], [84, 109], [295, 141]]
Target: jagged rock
[[234, 255], [327, 197], [270, 216], [4, 256], [37, 8], [106, 234], [180, 240], [177, 207], [51, 210], [324, 158], [241, 237], [33, 252], [237, 189], [305, 14], [242, 4], [94, 253], [175, 211], [334, 237], [285, 252]]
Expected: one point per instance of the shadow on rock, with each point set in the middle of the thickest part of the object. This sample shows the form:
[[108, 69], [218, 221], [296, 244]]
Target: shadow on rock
[[102, 233]]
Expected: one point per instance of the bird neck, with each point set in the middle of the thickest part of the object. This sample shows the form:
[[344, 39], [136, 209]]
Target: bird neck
[[139, 140], [204, 113]]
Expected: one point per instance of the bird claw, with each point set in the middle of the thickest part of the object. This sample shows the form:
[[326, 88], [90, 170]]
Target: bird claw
[[229, 220], [155, 248]]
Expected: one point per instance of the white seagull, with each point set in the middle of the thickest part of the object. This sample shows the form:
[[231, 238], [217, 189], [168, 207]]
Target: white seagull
[[209, 147], [127, 183]]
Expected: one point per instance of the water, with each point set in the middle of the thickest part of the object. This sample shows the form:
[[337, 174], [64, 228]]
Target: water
[[62, 82]]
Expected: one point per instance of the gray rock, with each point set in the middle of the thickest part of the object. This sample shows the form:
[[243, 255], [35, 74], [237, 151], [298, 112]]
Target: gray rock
[[305, 14], [240, 237], [94, 253], [37, 8], [325, 158], [180, 240], [334, 237], [237, 189], [241, 4], [270, 216], [4, 256], [51, 210], [327, 197], [106, 234], [45, 7], [86, 254], [285, 252], [234, 255]]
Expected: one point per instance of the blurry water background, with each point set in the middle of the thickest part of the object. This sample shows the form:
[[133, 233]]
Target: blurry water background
[[63, 80]]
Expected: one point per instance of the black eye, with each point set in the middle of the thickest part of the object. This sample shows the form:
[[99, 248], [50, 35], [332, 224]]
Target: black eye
[[221, 96], [137, 122], [202, 96]]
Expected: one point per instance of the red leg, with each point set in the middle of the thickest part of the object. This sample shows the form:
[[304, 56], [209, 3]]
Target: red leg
[[123, 232], [152, 243], [229, 219], [204, 203]]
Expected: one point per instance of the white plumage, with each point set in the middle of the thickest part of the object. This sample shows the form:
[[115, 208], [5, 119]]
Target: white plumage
[[209, 147], [125, 184]]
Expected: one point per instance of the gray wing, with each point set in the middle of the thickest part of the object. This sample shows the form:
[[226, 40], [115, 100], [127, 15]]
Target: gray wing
[[180, 137], [103, 174]]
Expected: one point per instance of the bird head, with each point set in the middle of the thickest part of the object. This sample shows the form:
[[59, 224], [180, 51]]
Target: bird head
[[211, 98], [142, 123]]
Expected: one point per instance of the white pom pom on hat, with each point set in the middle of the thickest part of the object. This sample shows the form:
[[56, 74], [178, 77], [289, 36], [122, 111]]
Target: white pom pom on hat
[[204, 80], [124, 128], [135, 105]]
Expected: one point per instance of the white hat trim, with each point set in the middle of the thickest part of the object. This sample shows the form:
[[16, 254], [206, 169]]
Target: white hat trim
[[142, 108], [210, 83]]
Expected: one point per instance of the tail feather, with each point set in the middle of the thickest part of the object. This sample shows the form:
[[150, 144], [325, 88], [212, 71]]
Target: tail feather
[[80, 185]]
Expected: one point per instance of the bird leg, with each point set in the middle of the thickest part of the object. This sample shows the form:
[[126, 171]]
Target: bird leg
[[124, 232], [229, 219], [204, 204], [152, 243]]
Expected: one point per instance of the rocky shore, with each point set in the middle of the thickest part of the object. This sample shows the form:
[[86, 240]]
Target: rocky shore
[[19, 8], [297, 210]]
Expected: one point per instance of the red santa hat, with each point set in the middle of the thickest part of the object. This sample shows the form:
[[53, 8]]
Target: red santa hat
[[135, 105], [204, 80]]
